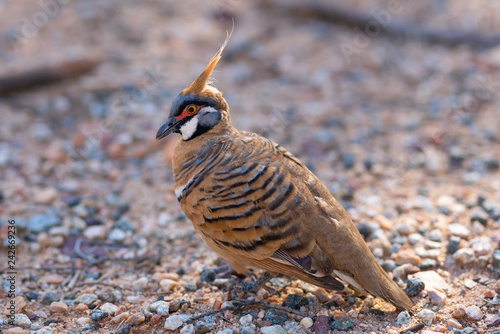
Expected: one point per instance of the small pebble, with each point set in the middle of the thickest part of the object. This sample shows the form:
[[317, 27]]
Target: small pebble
[[87, 298], [322, 295], [31, 295], [189, 329], [492, 320], [321, 324], [437, 297], [81, 307], [427, 316], [247, 330], [19, 305], [246, 319], [458, 312], [98, 315], [294, 301], [403, 318], [307, 322], [160, 307], [117, 235], [478, 214], [464, 256], [342, 324], [146, 312], [168, 285], [15, 330], [154, 319], [414, 286], [83, 321], [42, 223], [407, 256], [175, 321], [275, 317], [45, 196], [133, 299], [120, 317], [124, 330], [474, 312], [276, 329], [136, 319], [140, 284], [109, 308], [428, 264], [43, 330], [496, 259], [50, 297], [54, 279], [207, 275], [488, 294], [21, 320], [459, 230], [451, 322], [225, 331], [58, 307], [95, 232]]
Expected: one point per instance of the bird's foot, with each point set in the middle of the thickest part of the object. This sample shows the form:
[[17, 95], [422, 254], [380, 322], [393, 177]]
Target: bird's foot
[[244, 286], [224, 271]]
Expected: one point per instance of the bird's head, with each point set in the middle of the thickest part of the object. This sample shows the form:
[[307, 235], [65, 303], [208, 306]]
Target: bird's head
[[198, 108]]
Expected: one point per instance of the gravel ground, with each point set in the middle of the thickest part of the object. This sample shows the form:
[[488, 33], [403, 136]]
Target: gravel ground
[[403, 133]]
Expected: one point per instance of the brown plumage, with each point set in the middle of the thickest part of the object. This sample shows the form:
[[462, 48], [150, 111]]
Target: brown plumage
[[257, 205]]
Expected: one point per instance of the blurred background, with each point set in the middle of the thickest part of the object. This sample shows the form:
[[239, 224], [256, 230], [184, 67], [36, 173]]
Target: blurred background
[[393, 104]]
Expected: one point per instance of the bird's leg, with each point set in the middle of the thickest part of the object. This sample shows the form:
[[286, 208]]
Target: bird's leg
[[224, 271], [252, 286]]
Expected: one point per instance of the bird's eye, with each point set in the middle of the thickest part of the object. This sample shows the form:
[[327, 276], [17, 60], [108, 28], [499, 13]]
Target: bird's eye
[[191, 109]]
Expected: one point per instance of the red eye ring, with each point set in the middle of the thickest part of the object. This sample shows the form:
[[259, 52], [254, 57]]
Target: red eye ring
[[191, 109]]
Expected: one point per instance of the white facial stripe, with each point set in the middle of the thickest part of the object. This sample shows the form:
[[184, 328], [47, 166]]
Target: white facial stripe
[[189, 128], [208, 109]]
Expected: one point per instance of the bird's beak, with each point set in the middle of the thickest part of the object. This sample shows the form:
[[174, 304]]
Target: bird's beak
[[167, 128]]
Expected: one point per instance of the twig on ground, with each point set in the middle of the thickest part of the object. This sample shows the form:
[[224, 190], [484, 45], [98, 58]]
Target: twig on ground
[[84, 256], [414, 328], [28, 78], [73, 281], [350, 17], [246, 303]]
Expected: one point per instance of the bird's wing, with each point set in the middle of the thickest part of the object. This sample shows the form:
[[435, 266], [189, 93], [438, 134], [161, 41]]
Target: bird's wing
[[258, 205]]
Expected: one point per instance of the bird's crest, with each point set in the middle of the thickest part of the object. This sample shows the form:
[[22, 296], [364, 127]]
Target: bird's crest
[[202, 86]]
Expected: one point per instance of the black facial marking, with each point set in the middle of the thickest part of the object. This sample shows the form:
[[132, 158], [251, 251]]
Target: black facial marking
[[182, 101], [206, 121]]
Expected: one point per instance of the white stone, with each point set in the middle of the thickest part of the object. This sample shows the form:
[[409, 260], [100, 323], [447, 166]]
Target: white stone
[[109, 308], [474, 312], [167, 285], [459, 230], [83, 321], [225, 331], [427, 316], [133, 299], [95, 232], [246, 319], [189, 329], [160, 307], [22, 320], [464, 256], [306, 322], [140, 284], [276, 329], [173, 322], [437, 297]]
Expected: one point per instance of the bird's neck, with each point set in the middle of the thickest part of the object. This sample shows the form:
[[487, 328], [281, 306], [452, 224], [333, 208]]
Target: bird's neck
[[188, 149]]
